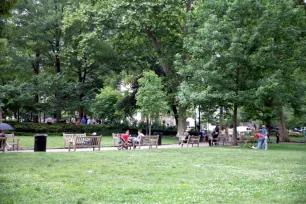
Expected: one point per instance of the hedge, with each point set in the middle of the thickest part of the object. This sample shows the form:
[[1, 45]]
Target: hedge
[[58, 129]]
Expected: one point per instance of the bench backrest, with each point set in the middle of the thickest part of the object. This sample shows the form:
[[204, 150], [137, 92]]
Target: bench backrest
[[147, 140], [80, 135], [68, 136], [115, 135], [88, 140], [154, 139], [9, 138], [144, 140], [194, 139]]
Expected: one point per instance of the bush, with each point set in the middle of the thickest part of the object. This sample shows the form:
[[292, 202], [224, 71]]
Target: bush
[[58, 129]]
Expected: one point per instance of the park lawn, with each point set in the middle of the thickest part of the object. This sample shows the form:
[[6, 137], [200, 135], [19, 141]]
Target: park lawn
[[180, 175], [27, 142]]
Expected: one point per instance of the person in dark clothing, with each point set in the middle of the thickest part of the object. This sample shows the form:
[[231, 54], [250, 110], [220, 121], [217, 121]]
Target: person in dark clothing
[[277, 136], [217, 130]]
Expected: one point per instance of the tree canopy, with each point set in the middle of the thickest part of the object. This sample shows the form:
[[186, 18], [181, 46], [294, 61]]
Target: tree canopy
[[229, 58]]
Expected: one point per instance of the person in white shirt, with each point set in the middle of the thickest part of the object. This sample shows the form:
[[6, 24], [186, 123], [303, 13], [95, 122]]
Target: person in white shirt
[[137, 139]]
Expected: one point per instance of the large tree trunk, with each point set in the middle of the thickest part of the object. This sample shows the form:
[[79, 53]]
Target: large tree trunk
[[81, 107], [58, 113], [58, 107], [234, 138], [58, 70], [35, 65], [282, 127], [181, 126], [35, 116]]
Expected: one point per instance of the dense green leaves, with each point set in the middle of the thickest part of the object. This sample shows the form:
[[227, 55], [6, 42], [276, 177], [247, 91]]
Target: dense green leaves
[[106, 105], [242, 57]]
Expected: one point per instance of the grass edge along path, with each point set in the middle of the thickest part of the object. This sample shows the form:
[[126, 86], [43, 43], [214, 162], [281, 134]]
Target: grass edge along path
[[181, 175]]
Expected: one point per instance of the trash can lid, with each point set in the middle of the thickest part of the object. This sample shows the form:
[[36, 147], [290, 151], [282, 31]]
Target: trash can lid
[[38, 135]]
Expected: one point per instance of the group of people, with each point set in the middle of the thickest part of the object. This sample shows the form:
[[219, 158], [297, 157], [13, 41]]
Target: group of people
[[262, 139], [86, 121], [133, 140]]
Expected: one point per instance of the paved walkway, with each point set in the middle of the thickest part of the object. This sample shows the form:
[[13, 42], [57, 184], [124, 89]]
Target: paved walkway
[[113, 148]]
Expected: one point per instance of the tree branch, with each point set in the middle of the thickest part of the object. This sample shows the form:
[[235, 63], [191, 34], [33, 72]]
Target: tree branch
[[158, 49]]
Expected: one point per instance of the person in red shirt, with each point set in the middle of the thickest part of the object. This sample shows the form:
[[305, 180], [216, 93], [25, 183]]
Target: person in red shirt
[[261, 139]]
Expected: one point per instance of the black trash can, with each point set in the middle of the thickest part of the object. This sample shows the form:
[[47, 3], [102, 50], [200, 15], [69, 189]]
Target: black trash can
[[40, 142], [159, 138]]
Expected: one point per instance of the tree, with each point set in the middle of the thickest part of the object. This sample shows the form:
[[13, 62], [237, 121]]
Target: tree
[[220, 47], [150, 96], [106, 105], [87, 54], [154, 29], [5, 8], [38, 41], [243, 53]]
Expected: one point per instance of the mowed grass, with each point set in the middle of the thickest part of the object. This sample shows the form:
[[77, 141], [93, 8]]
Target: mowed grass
[[27, 142], [181, 175]]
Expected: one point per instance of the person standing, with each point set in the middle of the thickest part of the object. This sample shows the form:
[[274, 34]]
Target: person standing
[[217, 130], [277, 135], [83, 121], [265, 134], [304, 133]]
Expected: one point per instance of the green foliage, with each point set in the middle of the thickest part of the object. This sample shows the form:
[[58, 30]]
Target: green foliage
[[150, 96], [6, 6], [22, 128], [106, 105]]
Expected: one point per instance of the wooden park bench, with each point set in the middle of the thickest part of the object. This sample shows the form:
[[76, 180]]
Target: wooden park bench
[[190, 140], [70, 137], [81, 141], [12, 141], [193, 140], [148, 141], [2, 144], [116, 137]]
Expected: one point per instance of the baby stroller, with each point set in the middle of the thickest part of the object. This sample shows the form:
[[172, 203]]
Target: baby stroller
[[124, 142]]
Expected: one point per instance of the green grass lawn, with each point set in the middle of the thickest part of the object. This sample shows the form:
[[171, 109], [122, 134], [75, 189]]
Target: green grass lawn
[[27, 142], [180, 175]]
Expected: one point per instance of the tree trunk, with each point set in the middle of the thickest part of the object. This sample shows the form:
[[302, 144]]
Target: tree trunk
[[58, 113], [1, 115], [234, 138], [35, 116], [35, 65], [149, 125], [81, 112], [199, 118], [221, 117], [181, 126], [282, 127], [58, 70], [81, 107], [18, 115], [58, 108]]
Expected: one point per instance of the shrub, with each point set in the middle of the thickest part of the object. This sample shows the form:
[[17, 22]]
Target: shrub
[[58, 129]]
